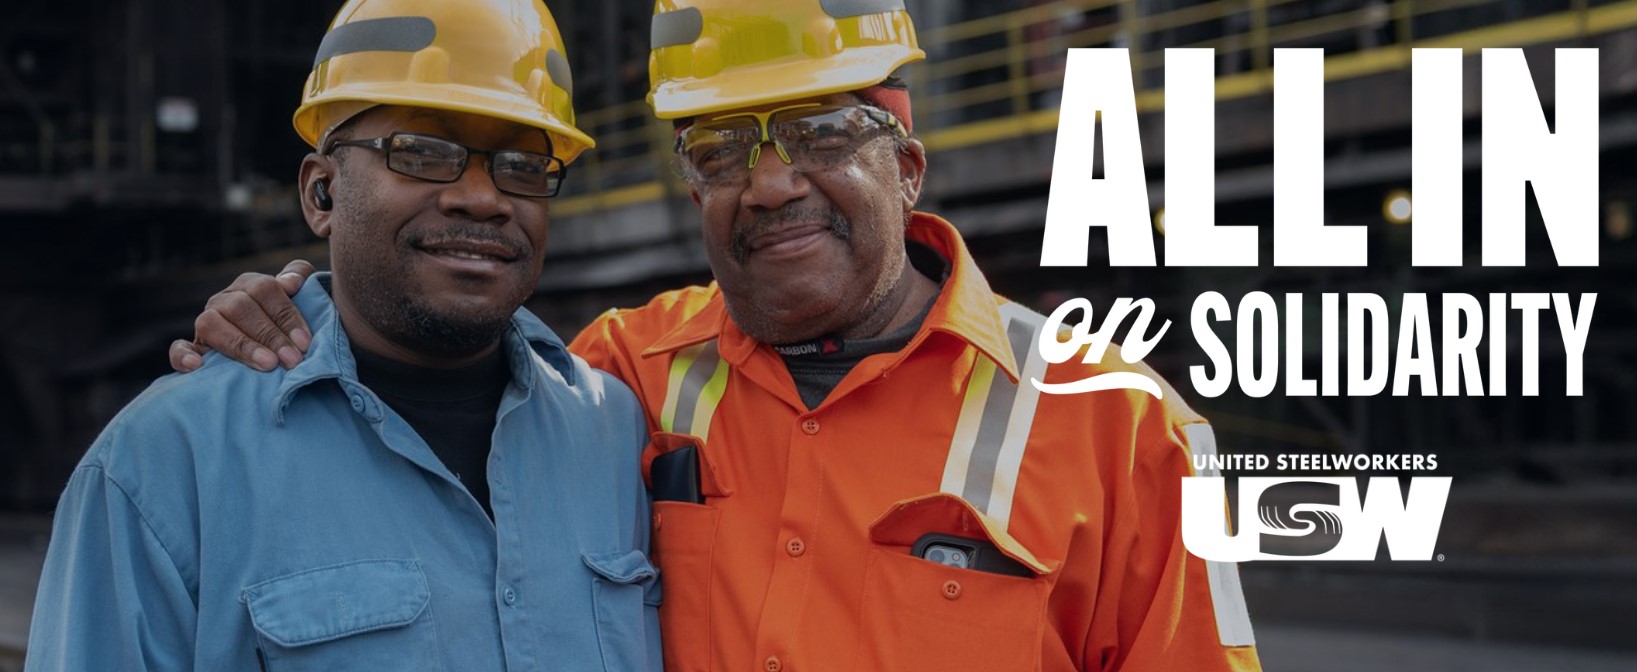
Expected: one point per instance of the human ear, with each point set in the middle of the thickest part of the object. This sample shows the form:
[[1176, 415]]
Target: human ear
[[911, 171], [316, 186]]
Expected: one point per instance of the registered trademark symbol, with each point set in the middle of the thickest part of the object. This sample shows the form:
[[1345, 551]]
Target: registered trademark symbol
[[1440, 557]]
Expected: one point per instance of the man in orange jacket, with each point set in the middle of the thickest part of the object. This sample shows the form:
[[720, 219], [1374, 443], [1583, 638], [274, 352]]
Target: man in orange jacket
[[878, 487]]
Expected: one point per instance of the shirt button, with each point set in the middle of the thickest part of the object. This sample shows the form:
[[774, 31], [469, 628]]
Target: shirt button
[[810, 426], [358, 403], [952, 590], [772, 664], [795, 547], [510, 596]]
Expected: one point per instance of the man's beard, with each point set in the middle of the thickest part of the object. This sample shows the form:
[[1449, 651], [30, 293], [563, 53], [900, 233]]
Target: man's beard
[[763, 222], [401, 312], [448, 335], [406, 317]]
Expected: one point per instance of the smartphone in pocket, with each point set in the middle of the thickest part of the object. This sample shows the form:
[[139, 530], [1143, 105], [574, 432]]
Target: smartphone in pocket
[[978, 555], [674, 476]]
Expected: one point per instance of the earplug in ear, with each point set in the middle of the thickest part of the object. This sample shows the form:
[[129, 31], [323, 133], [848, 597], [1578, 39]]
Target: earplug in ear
[[321, 195]]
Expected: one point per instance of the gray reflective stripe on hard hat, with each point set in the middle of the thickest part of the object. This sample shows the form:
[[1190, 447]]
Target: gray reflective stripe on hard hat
[[683, 26], [397, 33], [846, 9], [557, 67], [986, 451], [695, 386]]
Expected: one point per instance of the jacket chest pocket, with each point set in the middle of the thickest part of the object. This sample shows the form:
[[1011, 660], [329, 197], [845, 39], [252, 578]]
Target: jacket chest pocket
[[684, 535], [366, 616], [917, 614], [684, 541]]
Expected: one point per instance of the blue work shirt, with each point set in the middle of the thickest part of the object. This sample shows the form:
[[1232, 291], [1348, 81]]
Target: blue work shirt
[[227, 519]]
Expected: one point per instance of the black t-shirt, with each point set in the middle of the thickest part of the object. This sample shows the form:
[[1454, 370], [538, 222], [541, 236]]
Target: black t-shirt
[[453, 410], [817, 367]]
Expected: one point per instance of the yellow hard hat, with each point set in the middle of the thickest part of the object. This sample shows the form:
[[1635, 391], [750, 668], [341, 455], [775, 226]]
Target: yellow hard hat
[[497, 58], [714, 55]]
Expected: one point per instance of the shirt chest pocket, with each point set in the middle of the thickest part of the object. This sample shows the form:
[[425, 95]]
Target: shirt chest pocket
[[366, 616], [623, 592], [917, 614]]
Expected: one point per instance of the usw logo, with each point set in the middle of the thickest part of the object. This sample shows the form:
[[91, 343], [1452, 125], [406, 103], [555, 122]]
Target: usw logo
[[1311, 518]]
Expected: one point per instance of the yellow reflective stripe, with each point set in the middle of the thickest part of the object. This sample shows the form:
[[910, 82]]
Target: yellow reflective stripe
[[966, 427], [1021, 420], [986, 451], [673, 384], [997, 411], [697, 380], [709, 396]]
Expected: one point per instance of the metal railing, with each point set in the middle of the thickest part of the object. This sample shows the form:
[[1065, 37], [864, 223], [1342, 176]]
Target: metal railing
[[1000, 76]]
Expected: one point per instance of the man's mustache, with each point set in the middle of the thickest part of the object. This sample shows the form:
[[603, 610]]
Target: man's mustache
[[767, 221], [466, 230]]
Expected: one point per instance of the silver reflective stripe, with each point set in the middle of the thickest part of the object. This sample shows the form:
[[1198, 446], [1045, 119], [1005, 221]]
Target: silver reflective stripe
[[670, 29], [997, 410], [1227, 595], [966, 426], [1228, 600], [1031, 365], [693, 383], [557, 67], [986, 451], [397, 33], [1201, 441], [844, 9]]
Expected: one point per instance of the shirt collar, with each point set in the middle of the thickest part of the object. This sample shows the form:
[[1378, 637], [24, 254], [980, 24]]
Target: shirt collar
[[330, 355], [966, 307]]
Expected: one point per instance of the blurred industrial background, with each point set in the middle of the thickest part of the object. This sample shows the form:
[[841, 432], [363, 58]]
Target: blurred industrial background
[[146, 158]]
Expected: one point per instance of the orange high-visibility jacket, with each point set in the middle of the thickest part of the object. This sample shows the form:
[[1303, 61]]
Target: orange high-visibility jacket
[[800, 557]]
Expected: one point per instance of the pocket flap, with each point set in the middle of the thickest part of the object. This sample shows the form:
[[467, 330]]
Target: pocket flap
[[621, 566], [319, 605], [945, 513]]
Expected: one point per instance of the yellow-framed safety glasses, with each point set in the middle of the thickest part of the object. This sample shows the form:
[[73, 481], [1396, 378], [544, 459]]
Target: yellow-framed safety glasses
[[808, 137]]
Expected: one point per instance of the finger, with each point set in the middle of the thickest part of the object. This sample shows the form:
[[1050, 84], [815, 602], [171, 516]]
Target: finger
[[244, 280], [275, 303], [249, 315], [294, 274], [271, 293], [185, 356], [214, 329]]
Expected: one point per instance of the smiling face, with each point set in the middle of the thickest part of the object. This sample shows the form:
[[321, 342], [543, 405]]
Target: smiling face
[[425, 272], [803, 254]]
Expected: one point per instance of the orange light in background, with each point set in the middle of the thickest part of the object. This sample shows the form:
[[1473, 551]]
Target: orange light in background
[[1617, 220]]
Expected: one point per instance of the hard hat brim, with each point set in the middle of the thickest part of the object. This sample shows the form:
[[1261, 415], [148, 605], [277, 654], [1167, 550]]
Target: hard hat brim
[[568, 142], [743, 87]]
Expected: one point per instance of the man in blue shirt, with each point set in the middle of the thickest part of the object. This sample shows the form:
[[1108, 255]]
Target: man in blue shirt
[[439, 484]]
